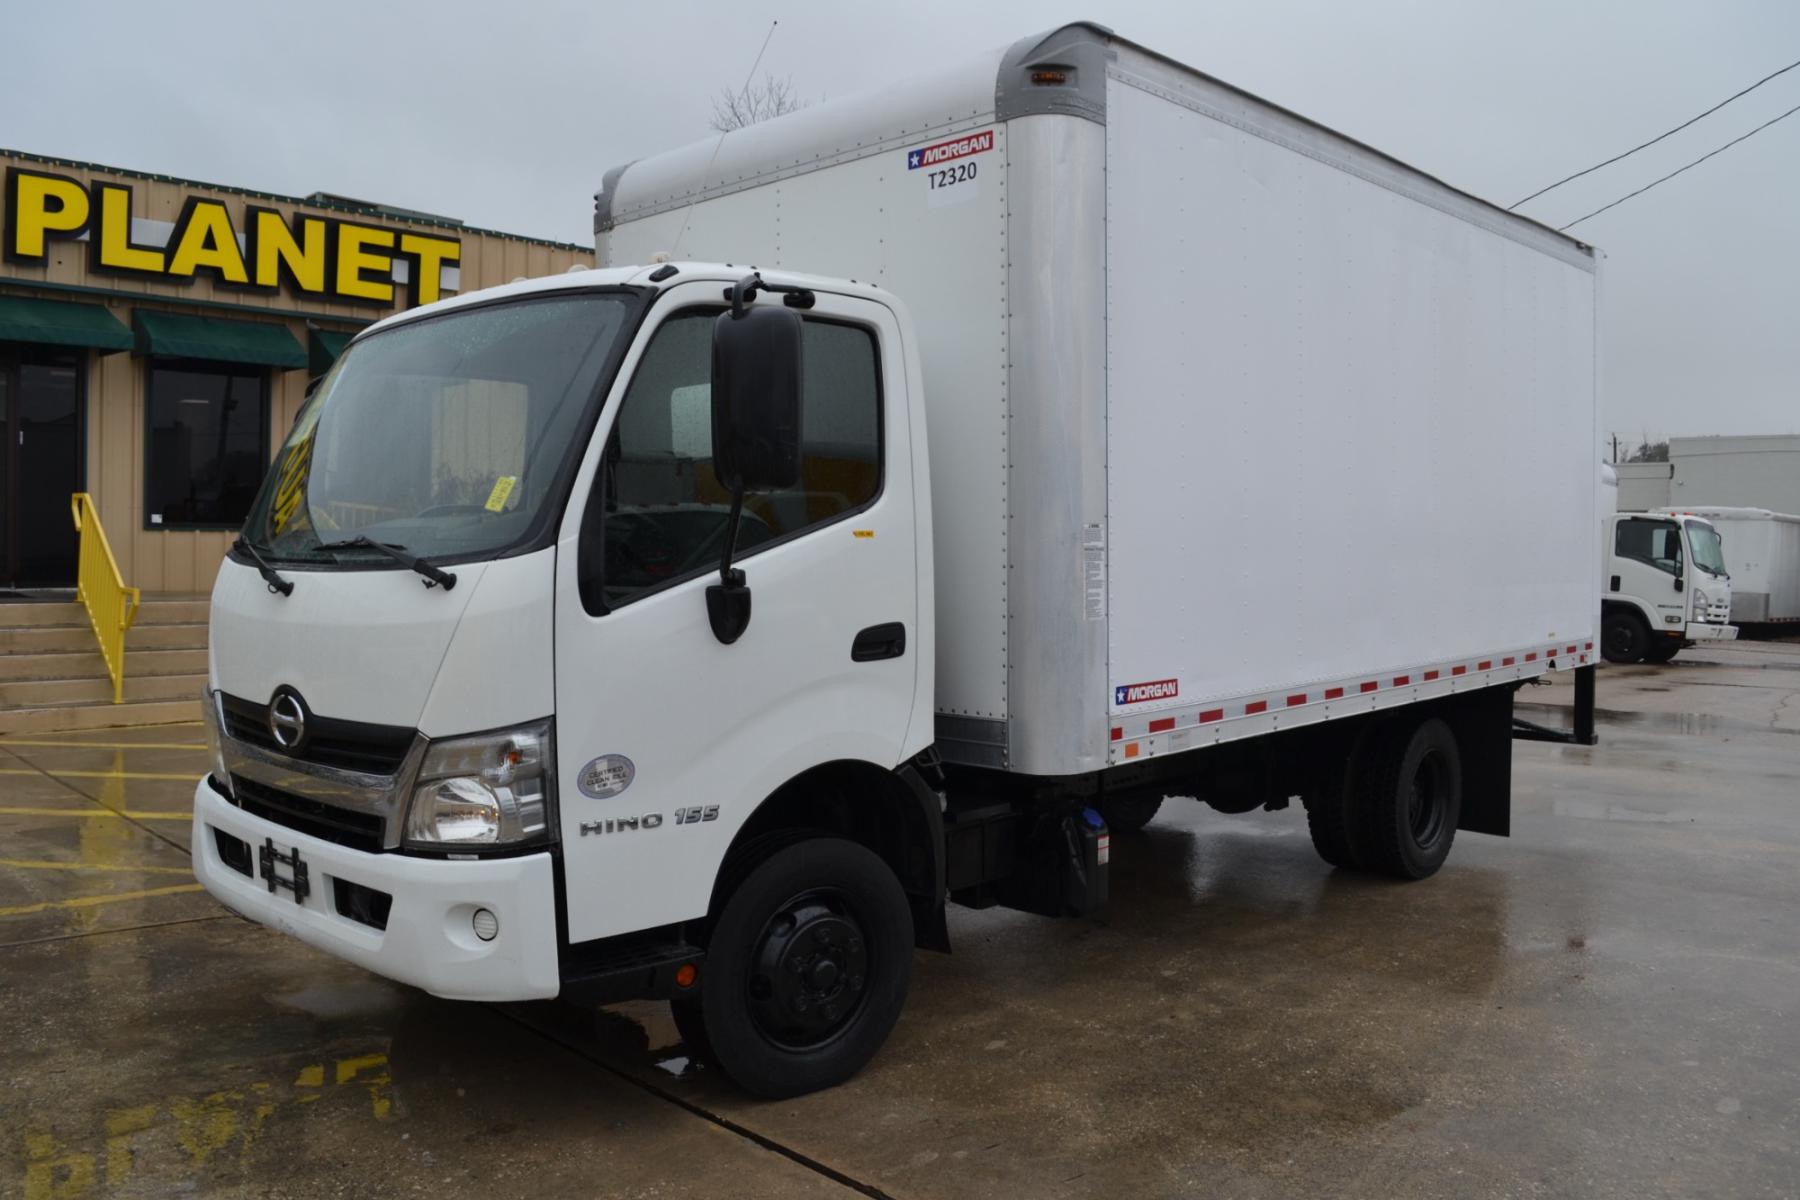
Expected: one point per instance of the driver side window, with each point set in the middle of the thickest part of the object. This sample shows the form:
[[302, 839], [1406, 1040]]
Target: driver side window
[[663, 512], [1653, 543]]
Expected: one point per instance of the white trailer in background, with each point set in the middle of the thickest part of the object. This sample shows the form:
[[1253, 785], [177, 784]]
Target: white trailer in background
[[1762, 556], [1126, 436]]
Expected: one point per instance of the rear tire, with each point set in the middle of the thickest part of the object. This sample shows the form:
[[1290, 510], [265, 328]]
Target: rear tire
[[1624, 638], [807, 968], [1329, 806], [1407, 801], [1129, 814]]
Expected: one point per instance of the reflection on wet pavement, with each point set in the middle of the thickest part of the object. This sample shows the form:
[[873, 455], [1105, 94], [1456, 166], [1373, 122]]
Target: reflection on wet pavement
[[1602, 1005]]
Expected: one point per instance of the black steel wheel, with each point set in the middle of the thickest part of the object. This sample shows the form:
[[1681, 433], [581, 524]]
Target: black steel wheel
[[807, 968], [1624, 638], [1408, 800], [1662, 650]]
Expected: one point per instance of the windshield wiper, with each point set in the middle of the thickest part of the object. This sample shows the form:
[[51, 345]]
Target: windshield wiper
[[434, 576], [271, 576]]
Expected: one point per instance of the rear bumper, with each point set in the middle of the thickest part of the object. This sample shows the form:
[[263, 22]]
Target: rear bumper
[[1699, 632], [429, 940]]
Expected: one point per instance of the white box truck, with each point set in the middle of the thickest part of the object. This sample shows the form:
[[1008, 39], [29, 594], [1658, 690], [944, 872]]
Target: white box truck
[[1664, 586], [1761, 559], [698, 629]]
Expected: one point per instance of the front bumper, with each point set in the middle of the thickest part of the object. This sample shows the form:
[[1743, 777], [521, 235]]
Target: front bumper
[[1701, 632], [429, 940]]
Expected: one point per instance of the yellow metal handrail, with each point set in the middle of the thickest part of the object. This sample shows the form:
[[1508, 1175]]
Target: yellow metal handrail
[[111, 606]]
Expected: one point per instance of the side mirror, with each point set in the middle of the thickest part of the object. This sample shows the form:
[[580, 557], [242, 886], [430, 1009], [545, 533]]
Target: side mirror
[[755, 428], [756, 399]]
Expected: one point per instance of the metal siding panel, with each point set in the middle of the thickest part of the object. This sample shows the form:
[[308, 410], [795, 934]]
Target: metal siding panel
[[1317, 386]]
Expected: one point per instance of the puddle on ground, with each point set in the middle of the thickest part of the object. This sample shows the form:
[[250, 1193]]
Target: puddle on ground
[[353, 998], [1591, 810]]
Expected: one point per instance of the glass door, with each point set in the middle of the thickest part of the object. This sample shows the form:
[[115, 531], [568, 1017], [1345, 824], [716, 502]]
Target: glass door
[[41, 464]]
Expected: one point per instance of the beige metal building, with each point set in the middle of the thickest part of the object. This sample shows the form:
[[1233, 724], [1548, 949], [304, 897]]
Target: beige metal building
[[157, 336]]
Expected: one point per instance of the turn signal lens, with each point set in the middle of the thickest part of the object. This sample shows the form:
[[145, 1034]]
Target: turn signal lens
[[685, 975]]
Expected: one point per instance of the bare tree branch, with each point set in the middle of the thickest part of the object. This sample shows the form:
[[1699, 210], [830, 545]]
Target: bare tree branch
[[758, 102]]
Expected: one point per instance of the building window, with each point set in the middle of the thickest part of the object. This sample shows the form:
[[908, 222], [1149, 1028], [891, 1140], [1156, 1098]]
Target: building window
[[665, 512], [208, 444]]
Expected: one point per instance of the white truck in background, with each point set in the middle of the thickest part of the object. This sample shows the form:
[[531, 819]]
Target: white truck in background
[[1762, 560], [1664, 586], [1114, 448]]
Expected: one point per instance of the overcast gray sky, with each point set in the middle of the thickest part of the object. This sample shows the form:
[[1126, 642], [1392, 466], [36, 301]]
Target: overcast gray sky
[[507, 115]]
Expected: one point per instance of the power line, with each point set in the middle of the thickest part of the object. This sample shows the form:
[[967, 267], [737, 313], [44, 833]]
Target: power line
[[1659, 137], [1672, 174]]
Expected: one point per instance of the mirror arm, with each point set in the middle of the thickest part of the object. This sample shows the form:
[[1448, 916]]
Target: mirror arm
[[728, 601], [745, 289]]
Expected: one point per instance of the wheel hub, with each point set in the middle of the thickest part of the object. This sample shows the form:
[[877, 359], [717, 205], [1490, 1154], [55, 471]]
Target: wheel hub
[[809, 972]]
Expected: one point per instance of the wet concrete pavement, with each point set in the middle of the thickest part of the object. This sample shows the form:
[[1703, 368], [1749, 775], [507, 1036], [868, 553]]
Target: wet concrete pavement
[[1603, 1005]]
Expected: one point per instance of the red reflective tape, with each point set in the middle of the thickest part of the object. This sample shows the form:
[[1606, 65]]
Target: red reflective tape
[[1368, 687], [1162, 724], [1430, 675], [1506, 662], [1584, 658], [1532, 657], [1486, 664], [1250, 710], [1212, 714], [1588, 646], [1117, 734], [1296, 701], [1402, 680], [1333, 693], [1459, 670], [1570, 650]]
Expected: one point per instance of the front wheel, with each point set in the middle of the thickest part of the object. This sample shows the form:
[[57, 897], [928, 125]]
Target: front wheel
[[1662, 650], [1624, 638], [807, 968]]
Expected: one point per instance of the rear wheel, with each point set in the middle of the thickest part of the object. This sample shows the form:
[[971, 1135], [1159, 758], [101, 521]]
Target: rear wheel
[[1128, 814], [1407, 801], [1624, 638], [806, 970]]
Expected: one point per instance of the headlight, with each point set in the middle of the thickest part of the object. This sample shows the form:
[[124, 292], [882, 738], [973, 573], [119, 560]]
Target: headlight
[[215, 738], [1700, 601], [493, 789]]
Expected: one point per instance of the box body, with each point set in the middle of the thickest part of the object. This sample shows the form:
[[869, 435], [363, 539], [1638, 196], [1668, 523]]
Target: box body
[[1219, 402]]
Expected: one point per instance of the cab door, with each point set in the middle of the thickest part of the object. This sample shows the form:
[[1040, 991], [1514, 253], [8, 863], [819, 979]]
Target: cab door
[[1648, 563], [667, 739]]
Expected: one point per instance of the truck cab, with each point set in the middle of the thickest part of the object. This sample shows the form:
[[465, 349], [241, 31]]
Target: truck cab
[[1664, 586]]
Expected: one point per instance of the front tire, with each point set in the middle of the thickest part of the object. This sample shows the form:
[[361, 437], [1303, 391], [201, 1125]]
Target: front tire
[[1624, 638], [807, 968], [1662, 651]]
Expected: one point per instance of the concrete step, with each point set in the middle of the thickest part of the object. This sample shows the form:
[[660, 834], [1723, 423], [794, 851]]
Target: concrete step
[[66, 717], [87, 663], [43, 693], [50, 638], [169, 612], [18, 614]]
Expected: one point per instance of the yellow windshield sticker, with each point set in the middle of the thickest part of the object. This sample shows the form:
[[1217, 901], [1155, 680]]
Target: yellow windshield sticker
[[503, 488]]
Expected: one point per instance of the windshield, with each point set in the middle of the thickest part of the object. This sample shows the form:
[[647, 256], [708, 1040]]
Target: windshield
[[446, 436], [1709, 551]]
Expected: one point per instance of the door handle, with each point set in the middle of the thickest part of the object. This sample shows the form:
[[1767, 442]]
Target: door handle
[[878, 642]]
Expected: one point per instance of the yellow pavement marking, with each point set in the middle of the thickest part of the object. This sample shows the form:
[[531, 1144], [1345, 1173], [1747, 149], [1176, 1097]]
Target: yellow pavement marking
[[15, 811], [187, 775], [34, 864], [4, 742], [20, 910]]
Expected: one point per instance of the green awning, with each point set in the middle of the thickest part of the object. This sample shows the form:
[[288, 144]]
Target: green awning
[[173, 336], [323, 348], [25, 319]]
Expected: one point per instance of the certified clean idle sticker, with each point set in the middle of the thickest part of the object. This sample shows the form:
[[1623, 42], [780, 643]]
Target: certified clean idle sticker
[[605, 776], [950, 168]]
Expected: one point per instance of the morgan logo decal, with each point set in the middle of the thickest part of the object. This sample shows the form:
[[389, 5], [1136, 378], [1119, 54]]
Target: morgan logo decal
[[1137, 693], [606, 776], [943, 152]]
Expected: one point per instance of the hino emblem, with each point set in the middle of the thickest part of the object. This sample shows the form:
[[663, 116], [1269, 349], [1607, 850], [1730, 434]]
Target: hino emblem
[[287, 718]]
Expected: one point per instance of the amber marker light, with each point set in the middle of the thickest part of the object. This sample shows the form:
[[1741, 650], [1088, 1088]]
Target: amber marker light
[[686, 974]]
